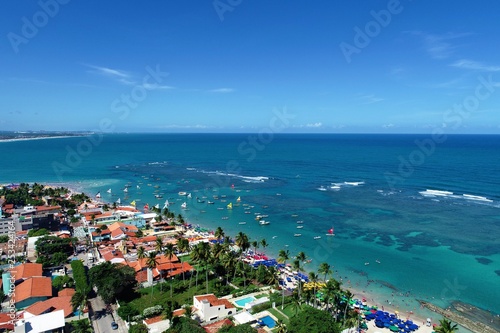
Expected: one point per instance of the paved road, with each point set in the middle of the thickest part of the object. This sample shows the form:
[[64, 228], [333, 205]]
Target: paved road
[[101, 320]]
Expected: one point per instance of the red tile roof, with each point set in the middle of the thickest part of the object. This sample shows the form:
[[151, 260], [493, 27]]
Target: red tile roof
[[27, 270], [45, 208], [215, 327], [153, 320], [66, 292], [52, 304], [34, 287], [6, 321], [214, 301]]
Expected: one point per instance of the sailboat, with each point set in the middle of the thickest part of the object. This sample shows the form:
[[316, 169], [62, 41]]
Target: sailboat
[[98, 195], [184, 205], [125, 189], [109, 191], [330, 232], [230, 205], [118, 201], [133, 203], [166, 204], [239, 199], [189, 196]]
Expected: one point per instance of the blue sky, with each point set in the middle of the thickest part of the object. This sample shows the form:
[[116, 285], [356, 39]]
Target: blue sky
[[233, 65]]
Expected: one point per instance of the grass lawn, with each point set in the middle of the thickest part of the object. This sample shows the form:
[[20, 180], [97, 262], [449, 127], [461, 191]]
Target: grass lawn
[[278, 315]]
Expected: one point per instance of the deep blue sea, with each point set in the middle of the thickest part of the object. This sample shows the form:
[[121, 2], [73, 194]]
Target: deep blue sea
[[391, 239]]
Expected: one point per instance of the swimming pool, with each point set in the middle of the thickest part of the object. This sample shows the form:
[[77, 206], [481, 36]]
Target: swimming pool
[[242, 302], [268, 321]]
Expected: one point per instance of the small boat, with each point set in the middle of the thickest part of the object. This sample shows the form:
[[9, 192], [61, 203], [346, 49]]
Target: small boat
[[300, 226], [138, 187], [274, 237], [247, 212], [262, 222], [109, 191], [300, 222], [166, 204], [158, 196], [239, 199], [125, 189], [199, 200], [297, 235], [367, 263], [242, 223], [317, 237], [183, 193], [377, 261], [184, 205], [210, 202], [330, 232], [189, 195], [98, 195], [230, 205], [224, 217]]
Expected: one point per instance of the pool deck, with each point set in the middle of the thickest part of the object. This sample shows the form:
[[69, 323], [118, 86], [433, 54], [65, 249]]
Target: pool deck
[[263, 314]]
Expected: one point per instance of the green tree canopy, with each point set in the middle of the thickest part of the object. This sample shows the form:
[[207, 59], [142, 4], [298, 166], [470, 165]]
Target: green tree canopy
[[62, 281], [313, 320], [138, 328], [245, 328], [111, 280]]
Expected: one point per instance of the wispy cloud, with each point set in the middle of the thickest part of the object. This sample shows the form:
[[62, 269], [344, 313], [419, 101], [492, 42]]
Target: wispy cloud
[[221, 90], [155, 86], [475, 65], [439, 46], [118, 74], [370, 99]]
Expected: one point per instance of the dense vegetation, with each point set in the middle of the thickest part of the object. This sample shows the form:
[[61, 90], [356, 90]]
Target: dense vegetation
[[112, 280], [53, 251]]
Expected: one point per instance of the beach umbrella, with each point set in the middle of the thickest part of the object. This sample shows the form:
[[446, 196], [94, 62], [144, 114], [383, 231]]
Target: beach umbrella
[[394, 329]]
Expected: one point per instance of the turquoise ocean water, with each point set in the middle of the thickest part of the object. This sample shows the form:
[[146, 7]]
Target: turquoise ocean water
[[391, 240]]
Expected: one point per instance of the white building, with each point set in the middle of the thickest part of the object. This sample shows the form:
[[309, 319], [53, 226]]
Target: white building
[[209, 307], [48, 322]]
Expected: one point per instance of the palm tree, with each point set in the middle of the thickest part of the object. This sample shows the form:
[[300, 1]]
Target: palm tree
[[325, 269], [264, 244], [151, 262], [348, 296], [243, 244], [281, 327], [283, 256], [79, 300], [301, 257], [296, 303], [159, 244], [255, 245], [81, 326], [446, 326], [201, 254], [219, 233], [313, 278], [182, 245], [141, 253]]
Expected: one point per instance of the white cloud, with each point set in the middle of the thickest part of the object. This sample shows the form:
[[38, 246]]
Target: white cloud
[[110, 72], [439, 46], [155, 86], [388, 125], [318, 124], [221, 90], [475, 65], [370, 99]]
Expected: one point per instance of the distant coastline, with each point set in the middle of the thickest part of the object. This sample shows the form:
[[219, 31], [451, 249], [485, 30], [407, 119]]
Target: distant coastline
[[12, 137]]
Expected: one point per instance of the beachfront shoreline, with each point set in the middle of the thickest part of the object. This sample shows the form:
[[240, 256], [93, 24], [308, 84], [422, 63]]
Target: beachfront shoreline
[[406, 313]]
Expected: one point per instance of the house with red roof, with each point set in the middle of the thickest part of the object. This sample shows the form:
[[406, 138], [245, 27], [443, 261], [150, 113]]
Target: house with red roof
[[51, 304], [32, 290], [209, 307]]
